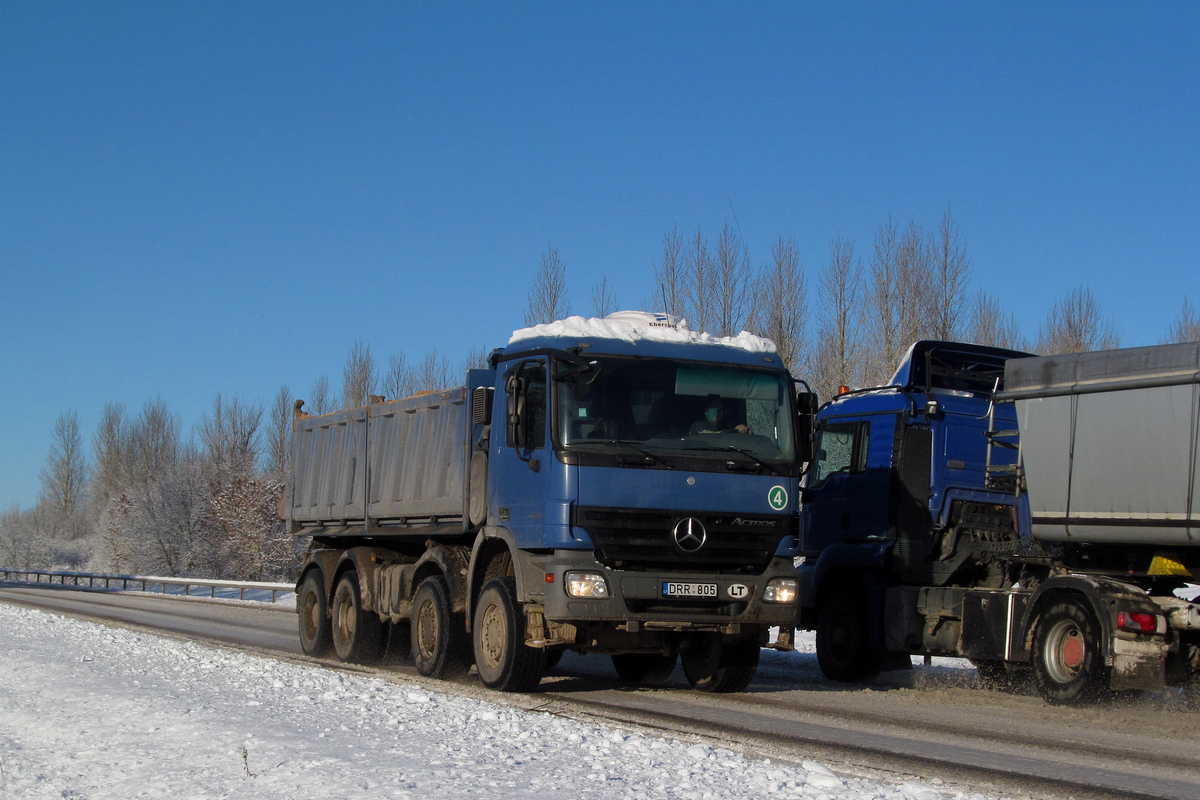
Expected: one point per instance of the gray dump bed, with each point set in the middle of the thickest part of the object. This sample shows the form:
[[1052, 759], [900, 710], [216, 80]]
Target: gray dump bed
[[397, 466], [1109, 443]]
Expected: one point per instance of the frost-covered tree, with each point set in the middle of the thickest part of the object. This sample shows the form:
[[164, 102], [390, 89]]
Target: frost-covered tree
[[64, 478], [228, 435]]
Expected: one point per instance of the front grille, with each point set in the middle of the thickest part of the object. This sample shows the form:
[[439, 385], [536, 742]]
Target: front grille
[[638, 539]]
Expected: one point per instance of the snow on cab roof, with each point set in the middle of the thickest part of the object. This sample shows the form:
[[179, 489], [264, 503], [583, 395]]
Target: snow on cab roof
[[641, 326]]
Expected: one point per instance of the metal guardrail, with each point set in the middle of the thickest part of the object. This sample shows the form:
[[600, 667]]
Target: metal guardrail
[[228, 590]]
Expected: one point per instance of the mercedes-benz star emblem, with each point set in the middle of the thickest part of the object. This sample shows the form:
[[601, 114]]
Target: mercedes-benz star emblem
[[689, 534]]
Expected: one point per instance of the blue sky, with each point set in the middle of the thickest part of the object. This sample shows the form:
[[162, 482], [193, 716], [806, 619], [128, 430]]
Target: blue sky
[[202, 197]]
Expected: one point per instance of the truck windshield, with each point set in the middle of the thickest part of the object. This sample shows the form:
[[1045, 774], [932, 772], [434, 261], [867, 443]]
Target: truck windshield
[[673, 407]]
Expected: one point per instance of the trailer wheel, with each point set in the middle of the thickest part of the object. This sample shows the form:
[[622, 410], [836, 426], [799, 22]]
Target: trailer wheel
[[711, 666], [653, 668], [503, 659], [438, 639], [1067, 659], [357, 633], [316, 631], [843, 652]]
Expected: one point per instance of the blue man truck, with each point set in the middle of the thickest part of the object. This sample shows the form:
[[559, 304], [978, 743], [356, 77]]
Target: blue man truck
[[1037, 515], [620, 486]]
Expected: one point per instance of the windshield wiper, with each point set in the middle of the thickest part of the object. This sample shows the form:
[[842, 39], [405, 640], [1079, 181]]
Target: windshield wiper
[[632, 446], [746, 453]]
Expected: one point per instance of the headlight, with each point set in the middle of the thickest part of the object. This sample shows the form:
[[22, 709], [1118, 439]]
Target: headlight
[[781, 590], [586, 584]]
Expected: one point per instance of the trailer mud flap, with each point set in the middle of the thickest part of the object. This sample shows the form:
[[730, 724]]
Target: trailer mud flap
[[1139, 664]]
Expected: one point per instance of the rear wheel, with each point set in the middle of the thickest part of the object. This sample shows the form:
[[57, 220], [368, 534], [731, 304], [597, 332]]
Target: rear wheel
[[358, 634], [711, 666], [644, 667], [1067, 659], [313, 610], [438, 637], [503, 659], [843, 651]]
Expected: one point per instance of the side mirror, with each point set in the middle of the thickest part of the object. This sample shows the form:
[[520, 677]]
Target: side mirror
[[516, 423]]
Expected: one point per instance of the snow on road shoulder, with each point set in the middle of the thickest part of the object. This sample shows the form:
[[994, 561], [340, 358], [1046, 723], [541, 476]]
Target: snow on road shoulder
[[89, 711]]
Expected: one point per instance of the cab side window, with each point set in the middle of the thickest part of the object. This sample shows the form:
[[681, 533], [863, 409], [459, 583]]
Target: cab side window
[[841, 450]]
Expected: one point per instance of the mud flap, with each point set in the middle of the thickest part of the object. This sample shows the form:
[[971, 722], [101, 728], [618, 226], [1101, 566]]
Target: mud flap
[[1139, 664]]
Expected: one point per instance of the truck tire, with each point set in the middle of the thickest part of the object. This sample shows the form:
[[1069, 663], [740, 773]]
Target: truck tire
[[504, 661], [438, 637], [1067, 659], [843, 651], [357, 633], [711, 666], [316, 631], [653, 668]]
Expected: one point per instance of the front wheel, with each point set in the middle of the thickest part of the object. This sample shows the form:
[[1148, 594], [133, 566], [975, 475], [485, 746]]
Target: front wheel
[[357, 632], [1067, 660], [504, 661], [844, 652], [316, 632], [711, 666]]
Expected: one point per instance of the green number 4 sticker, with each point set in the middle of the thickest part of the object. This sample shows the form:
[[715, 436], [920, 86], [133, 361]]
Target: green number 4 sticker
[[777, 498]]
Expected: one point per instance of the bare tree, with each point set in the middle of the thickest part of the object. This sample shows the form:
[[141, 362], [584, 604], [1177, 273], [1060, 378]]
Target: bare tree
[[916, 290], [783, 312], [991, 327], [698, 283], [1076, 325], [951, 275], [1186, 325], [153, 444], [358, 376], [398, 380], [732, 280], [476, 358], [882, 313], [433, 373], [279, 434], [548, 297], [64, 478], [604, 301], [669, 276], [108, 446], [318, 396], [228, 435], [839, 308]]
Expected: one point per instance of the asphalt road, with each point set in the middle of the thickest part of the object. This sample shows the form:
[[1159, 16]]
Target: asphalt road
[[927, 721]]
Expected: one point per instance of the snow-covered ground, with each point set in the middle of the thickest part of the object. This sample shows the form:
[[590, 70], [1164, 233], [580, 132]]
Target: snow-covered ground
[[91, 711]]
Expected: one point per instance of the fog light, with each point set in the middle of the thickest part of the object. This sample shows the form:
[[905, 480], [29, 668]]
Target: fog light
[[586, 584], [781, 590]]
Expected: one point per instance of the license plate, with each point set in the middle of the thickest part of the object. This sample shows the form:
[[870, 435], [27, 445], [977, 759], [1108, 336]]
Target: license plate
[[673, 589]]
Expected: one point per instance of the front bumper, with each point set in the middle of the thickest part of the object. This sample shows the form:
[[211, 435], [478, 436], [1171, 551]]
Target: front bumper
[[638, 597]]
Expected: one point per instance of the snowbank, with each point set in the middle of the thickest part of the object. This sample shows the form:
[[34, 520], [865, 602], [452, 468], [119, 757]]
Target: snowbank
[[104, 713], [636, 326]]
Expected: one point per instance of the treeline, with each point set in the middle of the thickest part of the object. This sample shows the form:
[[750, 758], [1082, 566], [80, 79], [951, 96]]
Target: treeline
[[849, 320], [146, 498]]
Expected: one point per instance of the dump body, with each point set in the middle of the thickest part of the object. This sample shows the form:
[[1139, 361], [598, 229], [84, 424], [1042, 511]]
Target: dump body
[[1110, 444]]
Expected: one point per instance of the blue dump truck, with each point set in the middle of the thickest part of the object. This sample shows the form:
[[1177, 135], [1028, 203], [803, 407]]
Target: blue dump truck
[[621, 486], [1037, 515]]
